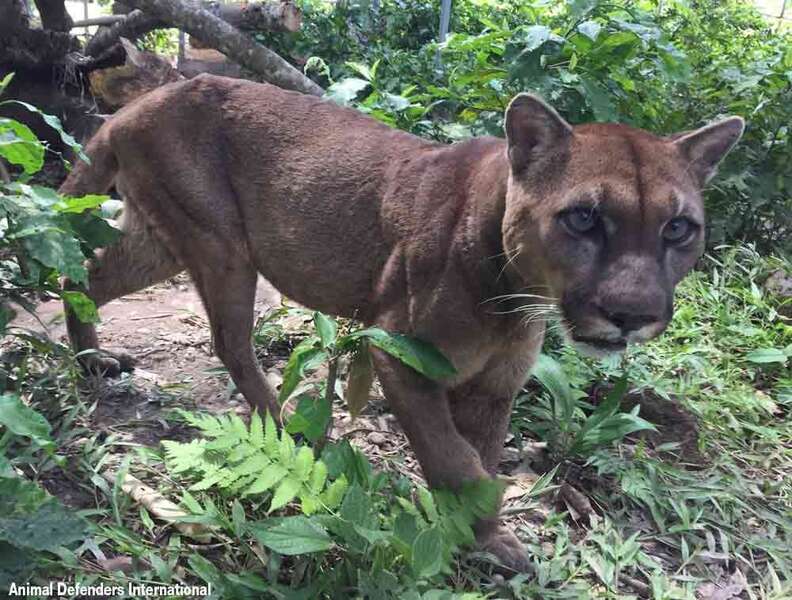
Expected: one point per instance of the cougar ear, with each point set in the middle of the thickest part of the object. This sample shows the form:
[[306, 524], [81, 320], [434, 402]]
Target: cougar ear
[[533, 129], [706, 147]]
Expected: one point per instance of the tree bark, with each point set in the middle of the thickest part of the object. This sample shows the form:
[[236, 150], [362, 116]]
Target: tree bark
[[218, 34], [12, 19], [54, 15], [134, 26], [272, 15]]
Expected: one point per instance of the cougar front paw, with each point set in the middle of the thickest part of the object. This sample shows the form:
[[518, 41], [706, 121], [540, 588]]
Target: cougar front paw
[[107, 364], [507, 549]]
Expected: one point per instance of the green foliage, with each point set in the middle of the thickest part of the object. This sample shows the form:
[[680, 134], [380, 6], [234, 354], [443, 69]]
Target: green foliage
[[563, 420], [329, 345], [21, 420], [32, 524], [353, 525], [246, 461], [664, 66], [43, 235]]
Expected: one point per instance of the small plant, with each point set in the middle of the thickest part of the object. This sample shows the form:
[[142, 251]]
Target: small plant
[[564, 419], [330, 345], [245, 461]]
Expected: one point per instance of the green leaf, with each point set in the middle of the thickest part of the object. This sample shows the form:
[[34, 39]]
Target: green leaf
[[303, 464], [82, 305], [30, 518], [80, 204], [256, 434], [326, 327], [335, 492], [310, 418], [270, 436], [610, 405], [361, 69], [58, 250], [285, 492], [535, 36], [421, 356], [56, 124], [305, 355], [271, 476], [427, 553], [318, 477], [357, 507], [19, 146], [92, 229], [292, 535], [428, 504], [551, 376], [20, 419], [590, 29], [598, 99], [5, 81], [15, 565], [767, 355]]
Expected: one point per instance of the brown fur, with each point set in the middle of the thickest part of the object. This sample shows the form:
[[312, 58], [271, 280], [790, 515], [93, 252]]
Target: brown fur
[[228, 179]]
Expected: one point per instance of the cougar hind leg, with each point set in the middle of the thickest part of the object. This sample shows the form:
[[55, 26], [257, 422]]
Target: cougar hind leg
[[135, 261], [228, 291]]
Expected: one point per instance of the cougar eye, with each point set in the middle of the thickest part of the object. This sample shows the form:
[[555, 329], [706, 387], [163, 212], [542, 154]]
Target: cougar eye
[[581, 219], [678, 230]]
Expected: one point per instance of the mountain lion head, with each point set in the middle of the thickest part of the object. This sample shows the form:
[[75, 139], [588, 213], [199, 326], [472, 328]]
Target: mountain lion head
[[609, 217]]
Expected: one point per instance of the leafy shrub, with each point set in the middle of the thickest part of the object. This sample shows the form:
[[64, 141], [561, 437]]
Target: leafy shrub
[[43, 235], [562, 419], [664, 66], [363, 525]]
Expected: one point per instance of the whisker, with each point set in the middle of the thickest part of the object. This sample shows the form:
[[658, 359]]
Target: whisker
[[509, 260]]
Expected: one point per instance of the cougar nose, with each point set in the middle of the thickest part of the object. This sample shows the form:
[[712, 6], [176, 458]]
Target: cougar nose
[[628, 321]]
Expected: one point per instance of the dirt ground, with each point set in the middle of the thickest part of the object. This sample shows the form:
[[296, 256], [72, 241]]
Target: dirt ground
[[165, 329]]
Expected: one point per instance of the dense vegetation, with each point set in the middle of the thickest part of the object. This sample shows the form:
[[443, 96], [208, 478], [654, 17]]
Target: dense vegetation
[[609, 507]]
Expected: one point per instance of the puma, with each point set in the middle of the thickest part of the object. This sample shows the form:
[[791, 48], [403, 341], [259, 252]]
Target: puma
[[467, 246]]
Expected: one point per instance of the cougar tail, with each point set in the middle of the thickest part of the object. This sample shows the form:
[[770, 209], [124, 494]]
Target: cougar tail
[[97, 176]]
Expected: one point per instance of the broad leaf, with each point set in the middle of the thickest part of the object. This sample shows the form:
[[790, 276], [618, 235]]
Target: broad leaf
[[427, 553], [30, 518], [303, 357], [767, 355], [346, 90], [418, 354], [310, 418], [292, 535], [20, 419], [326, 327], [19, 146]]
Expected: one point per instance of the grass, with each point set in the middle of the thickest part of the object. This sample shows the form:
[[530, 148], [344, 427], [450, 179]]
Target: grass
[[643, 517]]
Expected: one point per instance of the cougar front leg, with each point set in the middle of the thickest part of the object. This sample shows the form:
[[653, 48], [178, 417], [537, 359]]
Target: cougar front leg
[[481, 410], [482, 417], [447, 458]]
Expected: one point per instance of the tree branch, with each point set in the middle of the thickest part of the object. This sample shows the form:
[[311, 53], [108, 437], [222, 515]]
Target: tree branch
[[218, 34], [135, 25]]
